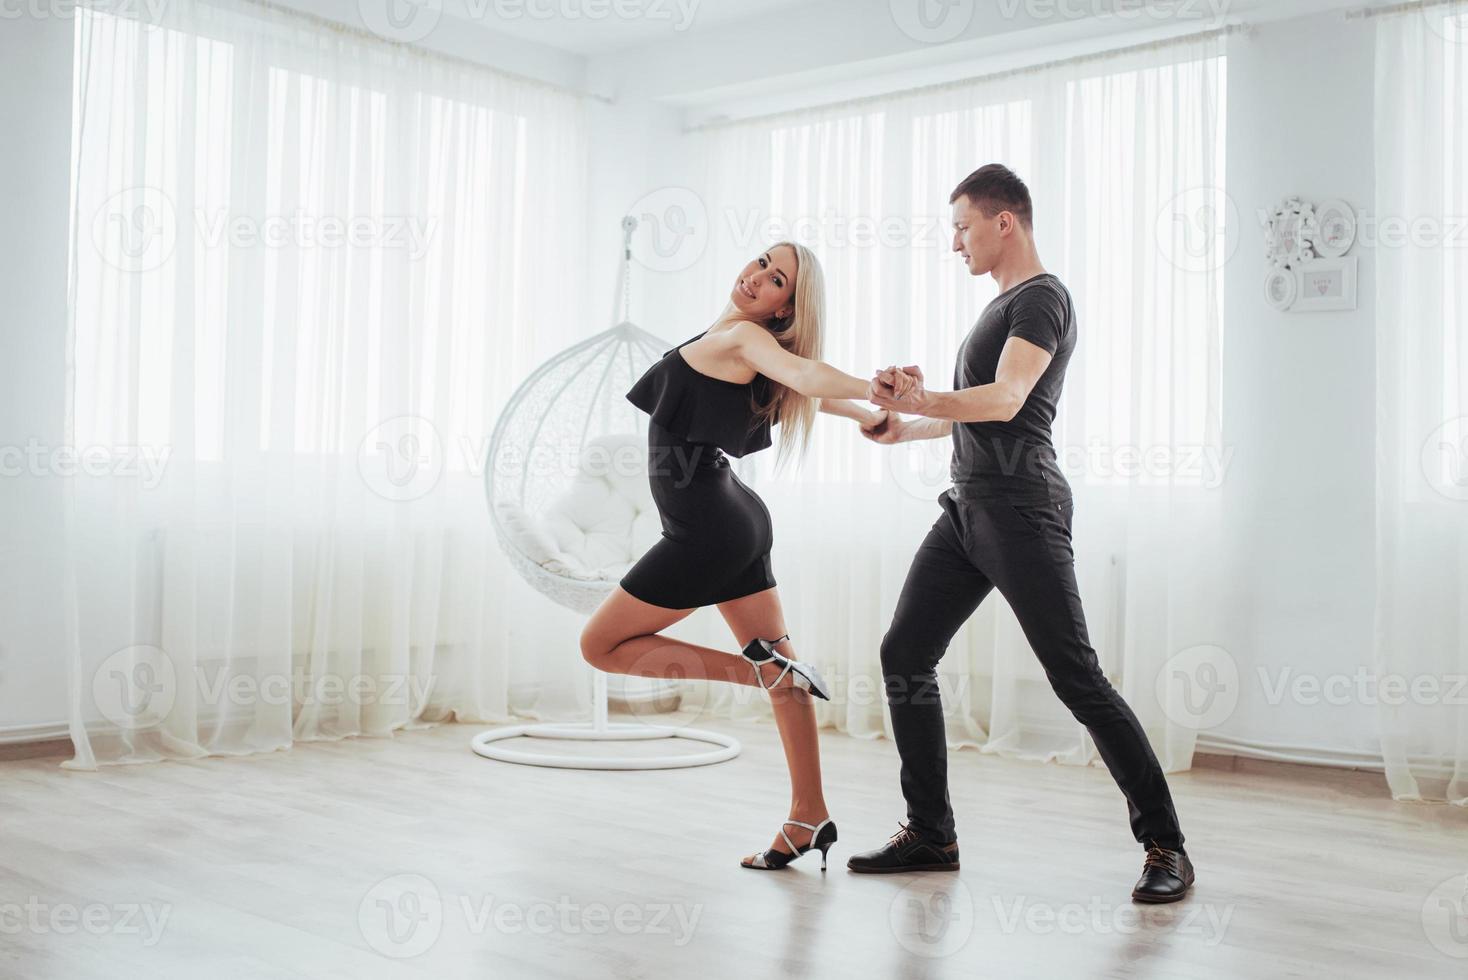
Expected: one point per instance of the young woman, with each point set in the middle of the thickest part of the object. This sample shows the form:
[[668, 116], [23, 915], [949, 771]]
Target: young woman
[[720, 393]]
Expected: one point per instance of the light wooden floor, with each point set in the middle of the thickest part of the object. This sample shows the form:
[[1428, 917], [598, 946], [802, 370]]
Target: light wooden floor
[[325, 861]]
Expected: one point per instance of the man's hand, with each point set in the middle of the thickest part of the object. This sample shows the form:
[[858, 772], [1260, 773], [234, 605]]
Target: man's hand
[[900, 389], [889, 429]]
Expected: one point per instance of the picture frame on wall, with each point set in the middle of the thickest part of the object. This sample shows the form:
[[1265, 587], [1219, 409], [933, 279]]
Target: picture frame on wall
[[1324, 285]]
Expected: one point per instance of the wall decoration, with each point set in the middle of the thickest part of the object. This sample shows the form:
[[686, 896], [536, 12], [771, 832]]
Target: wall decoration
[[1281, 287], [1309, 269], [1337, 229], [1289, 233], [1326, 284]]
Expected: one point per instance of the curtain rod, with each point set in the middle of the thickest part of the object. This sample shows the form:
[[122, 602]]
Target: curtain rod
[[1367, 13], [1109, 53], [362, 34]]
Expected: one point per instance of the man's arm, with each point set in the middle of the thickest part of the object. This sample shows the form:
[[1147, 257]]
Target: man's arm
[[1021, 364], [894, 428]]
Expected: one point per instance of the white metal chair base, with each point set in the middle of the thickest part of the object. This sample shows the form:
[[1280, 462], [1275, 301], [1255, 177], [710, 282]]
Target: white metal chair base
[[487, 745]]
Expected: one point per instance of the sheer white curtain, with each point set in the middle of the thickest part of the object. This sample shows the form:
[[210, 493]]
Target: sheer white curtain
[[1124, 157], [307, 268], [1422, 401]]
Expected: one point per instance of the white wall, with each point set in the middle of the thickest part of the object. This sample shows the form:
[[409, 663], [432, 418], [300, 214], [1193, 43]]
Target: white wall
[[1299, 388], [35, 153]]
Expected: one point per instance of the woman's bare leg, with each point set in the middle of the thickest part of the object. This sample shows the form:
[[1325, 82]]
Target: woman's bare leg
[[795, 715], [622, 637]]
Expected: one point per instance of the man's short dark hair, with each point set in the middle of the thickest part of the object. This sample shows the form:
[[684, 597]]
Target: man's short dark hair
[[994, 188]]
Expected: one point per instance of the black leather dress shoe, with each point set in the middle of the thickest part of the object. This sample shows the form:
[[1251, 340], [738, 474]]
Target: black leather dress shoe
[[1166, 876], [905, 851]]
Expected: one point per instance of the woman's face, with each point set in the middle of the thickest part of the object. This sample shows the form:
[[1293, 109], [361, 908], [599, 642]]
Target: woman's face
[[766, 286]]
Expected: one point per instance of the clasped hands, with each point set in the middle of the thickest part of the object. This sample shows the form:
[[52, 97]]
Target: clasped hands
[[898, 389], [894, 389]]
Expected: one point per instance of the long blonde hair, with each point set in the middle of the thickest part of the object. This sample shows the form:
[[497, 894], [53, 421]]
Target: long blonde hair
[[802, 333]]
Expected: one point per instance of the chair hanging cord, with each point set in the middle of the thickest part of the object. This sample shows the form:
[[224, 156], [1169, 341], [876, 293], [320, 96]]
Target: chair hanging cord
[[624, 288]]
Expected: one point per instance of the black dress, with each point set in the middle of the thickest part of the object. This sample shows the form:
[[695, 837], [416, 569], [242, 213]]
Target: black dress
[[716, 531]]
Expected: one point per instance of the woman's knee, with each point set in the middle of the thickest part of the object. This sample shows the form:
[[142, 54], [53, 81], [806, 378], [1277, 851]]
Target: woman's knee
[[595, 645]]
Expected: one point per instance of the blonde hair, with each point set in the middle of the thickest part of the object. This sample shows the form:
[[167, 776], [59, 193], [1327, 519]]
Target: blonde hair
[[802, 333]]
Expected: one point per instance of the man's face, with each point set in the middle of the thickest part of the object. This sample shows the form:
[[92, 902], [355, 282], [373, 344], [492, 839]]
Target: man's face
[[977, 238]]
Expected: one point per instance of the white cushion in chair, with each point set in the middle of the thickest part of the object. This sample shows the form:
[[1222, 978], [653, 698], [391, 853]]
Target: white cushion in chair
[[604, 521]]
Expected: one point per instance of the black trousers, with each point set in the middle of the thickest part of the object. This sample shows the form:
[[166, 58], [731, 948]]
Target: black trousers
[[1024, 550]]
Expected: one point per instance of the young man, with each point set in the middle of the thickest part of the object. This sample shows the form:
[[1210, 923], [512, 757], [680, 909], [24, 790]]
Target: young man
[[1006, 524]]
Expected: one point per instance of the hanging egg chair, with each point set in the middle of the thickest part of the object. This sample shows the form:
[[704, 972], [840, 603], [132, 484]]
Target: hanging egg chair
[[566, 481]]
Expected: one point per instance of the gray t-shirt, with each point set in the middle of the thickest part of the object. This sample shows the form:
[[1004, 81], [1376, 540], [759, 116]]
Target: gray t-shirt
[[1015, 460]]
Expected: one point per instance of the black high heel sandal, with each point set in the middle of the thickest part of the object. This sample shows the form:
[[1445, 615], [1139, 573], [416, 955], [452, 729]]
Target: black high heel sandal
[[760, 651], [823, 835]]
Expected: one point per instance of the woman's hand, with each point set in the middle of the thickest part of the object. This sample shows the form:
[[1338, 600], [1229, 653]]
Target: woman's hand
[[888, 428]]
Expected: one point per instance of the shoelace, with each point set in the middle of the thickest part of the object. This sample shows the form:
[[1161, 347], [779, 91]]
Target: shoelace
[[904, 836], [1158, 857]]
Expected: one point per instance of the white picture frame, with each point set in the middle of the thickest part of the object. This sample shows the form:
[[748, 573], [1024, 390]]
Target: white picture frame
[[1325, 285], [1335, 229]]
